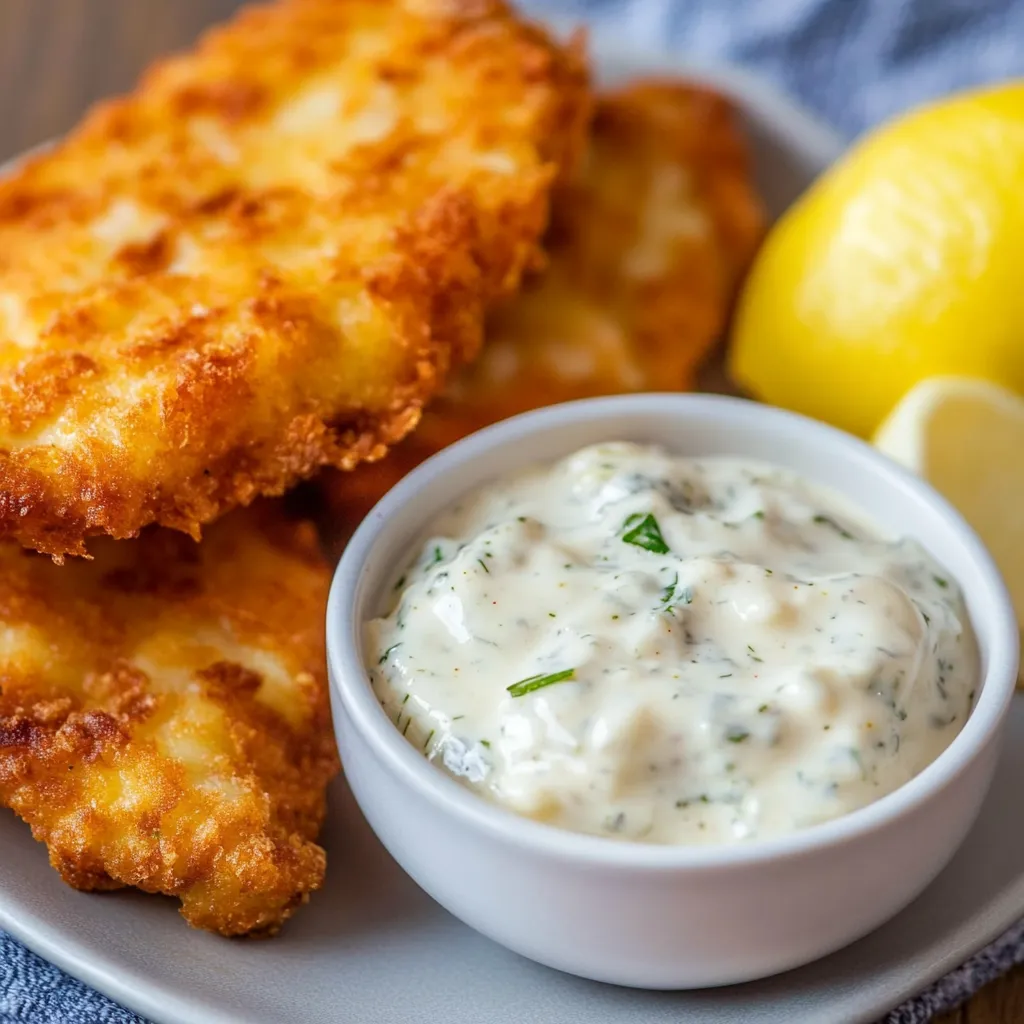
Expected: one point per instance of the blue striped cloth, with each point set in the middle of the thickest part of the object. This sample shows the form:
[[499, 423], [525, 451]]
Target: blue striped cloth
[[853, 61]]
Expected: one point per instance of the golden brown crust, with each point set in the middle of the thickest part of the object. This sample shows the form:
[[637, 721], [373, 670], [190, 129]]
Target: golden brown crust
[[646, 251], [266, 259], [164, 719]]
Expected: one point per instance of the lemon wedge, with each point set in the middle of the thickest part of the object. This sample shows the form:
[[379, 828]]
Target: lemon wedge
[[966, 438], [900, 263]]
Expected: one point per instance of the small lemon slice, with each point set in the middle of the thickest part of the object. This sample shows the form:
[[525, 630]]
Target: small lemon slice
[[966, 438]]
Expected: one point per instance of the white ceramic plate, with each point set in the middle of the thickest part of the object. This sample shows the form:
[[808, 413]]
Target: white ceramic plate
[[371, 947]]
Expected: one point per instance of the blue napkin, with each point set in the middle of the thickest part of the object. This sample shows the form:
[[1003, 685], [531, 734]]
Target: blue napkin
[[855, 62]]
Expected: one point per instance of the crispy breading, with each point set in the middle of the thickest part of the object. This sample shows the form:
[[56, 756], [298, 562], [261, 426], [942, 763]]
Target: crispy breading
[[647, 250], [266, 258], [164, 718]]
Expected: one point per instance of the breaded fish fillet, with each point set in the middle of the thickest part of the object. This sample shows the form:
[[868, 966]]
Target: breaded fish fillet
[[265, 259], [647, 250], [164, 719]]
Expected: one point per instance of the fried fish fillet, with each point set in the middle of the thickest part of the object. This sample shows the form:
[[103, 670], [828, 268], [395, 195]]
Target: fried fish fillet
[[164, 719], [266, 258], [647, 249]]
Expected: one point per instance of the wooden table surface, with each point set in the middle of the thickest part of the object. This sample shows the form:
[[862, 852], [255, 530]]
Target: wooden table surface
[[57, 56]]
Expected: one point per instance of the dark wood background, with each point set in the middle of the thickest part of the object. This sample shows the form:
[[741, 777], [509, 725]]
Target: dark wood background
[[58, 56]]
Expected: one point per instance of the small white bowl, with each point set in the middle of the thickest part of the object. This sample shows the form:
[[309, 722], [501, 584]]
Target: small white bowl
[[664, 916]]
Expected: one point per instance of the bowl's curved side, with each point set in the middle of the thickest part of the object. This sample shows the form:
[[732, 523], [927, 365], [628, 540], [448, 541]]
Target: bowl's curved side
[[662, 928]]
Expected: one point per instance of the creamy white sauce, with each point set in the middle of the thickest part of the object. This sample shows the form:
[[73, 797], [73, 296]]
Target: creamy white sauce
[[633, 644]]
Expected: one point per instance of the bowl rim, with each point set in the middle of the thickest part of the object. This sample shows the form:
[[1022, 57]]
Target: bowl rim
[[350, 682]]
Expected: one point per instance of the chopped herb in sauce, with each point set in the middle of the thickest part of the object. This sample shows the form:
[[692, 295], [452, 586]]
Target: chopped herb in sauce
[[823, 520], [644, 532], [528, 685], [387, 654]]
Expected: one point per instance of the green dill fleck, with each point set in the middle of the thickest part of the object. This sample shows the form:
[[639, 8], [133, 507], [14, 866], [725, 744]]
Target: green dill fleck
[[759, 514], [823, 520], [762, 709], [408, 722], [644, 532], [384, 657], [400, 583], [615, 824], [552, 615], [927, 618], [768, 572], [941, 582], [405, 699], [426, 742], [438, 556], [727, 675], [455, 718], [683, 596], [485, 743], [521, 519], [736, 734], [483, 565], [531, 683], [704, 798], [753, 655]]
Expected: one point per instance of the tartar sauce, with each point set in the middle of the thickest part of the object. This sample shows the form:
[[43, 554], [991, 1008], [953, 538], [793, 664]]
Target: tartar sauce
[[633, 644]]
